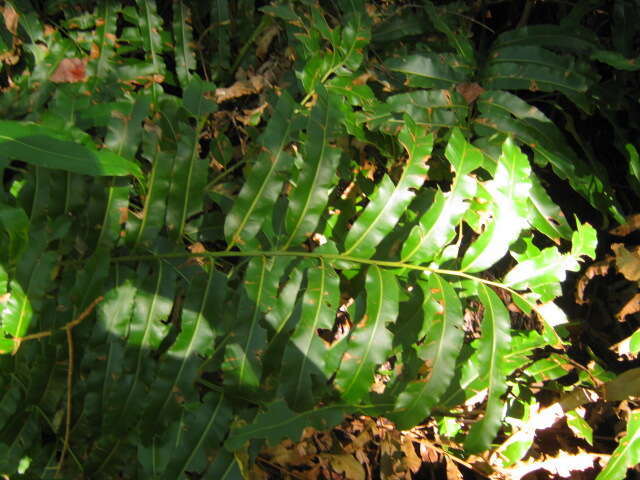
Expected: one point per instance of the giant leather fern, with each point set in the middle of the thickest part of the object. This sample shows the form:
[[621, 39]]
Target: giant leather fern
[[265, 271]]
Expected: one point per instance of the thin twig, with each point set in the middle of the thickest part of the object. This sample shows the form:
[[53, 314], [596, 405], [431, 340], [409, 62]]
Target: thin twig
[[47, 333], [67, 327]]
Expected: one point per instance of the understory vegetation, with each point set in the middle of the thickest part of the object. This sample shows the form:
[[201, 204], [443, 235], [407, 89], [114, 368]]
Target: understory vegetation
[[230, 226]]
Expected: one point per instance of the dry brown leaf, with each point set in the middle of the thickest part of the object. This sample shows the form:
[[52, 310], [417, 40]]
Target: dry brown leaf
[[470, 91], [631, 225], [629, 308], [254, 84], [453, 472], [600, 269], [70, 70], [263, 42], [11, 18], [411, 457], [345, 464], [627, 261]]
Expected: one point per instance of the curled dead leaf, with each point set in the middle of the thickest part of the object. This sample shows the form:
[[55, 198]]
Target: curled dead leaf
[[631, 225], [264, 41], [600, 268], [254, 84], [629, 308], [627, 261]]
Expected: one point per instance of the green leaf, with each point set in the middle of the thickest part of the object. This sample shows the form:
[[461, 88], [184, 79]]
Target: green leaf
[[505, 113], [33, 144], [370, 342], [429, 70], [304, 355], [178, 369], [260, 190], [429, 109], [545, 216], [242, 366], [550, 368], [535, 68], [183, 37], [548, 267], [279, 422], [203, 429], [14, 233], [152, 221], [573, 38], [492, 347], [145, 331], [579, 426], [188, 180], [616, 59], [150, 26], [584, 241], [219, 29], [439, 349], [309, 198], [389, 201], [437, 226], [509, 190], [626, 454], [194, 98], [458, 40], [634, 168], [105, 40]]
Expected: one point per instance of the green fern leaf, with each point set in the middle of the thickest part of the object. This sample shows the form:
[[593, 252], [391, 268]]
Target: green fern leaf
[[258, 195], [305, 351], [429, 109], [505, 113], [150, 25], [429, 70], [492, 347], [188, 179], [145, 332], [220, 21], [437, 226], [41, 146], [370, 342], [105, 42], [242, 364], [626, 454], [203, 429], [152, 221], [183, 38], [532, 67], [546, 216], [279, 422], [390, 201], [309, 198], [509, 191], [178, 371], [439, 351]]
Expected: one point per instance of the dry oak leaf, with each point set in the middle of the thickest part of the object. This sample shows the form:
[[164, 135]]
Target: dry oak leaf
[[70, 70]]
